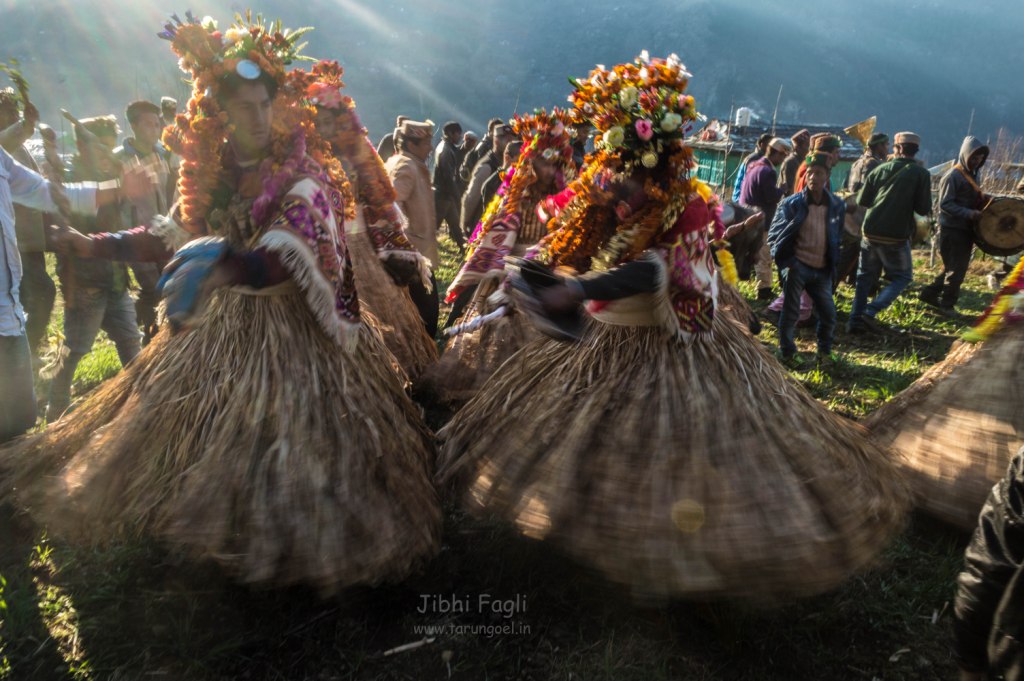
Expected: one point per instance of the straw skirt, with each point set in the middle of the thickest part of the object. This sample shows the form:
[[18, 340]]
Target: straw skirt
[[677, 468], [253, 440], [957, 427]]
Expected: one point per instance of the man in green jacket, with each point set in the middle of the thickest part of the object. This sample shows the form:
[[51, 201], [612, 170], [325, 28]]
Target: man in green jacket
[[892, 193]]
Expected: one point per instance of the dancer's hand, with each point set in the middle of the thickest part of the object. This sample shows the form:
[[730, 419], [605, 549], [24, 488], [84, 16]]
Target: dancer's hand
[[560, 298], [195, 271]]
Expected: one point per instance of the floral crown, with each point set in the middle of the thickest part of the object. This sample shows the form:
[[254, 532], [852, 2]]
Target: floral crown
[[640, 108], [545, 135], [321, 86], [249, 48]]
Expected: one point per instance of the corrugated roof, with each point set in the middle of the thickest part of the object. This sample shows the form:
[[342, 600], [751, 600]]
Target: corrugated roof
[[717, 135]]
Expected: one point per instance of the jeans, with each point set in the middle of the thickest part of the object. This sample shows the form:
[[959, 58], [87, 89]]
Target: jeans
[[17, 397], [955, 247], [426, 303], [817, 282], [896, 260], [37, 295], [93, 309]]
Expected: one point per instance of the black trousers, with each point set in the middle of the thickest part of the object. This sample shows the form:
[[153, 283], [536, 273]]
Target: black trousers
[[426, 303], [955, 247], [447, 209]]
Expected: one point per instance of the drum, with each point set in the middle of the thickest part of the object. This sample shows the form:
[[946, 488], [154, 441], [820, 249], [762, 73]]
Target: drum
[[1001, 228]]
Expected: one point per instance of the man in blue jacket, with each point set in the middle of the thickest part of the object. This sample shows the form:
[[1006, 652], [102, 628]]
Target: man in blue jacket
[[804, 239]]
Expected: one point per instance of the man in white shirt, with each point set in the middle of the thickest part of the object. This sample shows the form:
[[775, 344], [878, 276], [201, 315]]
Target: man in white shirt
[[20, 185]]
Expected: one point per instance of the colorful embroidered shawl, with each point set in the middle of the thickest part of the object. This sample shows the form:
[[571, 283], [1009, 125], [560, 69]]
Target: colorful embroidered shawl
[[306, 231]]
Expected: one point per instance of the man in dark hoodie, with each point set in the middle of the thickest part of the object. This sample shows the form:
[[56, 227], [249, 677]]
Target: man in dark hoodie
[[988, 614], [960, 204]]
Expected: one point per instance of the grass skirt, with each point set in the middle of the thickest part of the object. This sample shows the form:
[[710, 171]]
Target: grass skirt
[[470, 358], [252, 439], [732, 303], [679, 469], [391, 309], [958, 426]]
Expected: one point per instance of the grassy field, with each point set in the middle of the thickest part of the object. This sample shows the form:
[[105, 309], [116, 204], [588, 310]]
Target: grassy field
[[137, 611]]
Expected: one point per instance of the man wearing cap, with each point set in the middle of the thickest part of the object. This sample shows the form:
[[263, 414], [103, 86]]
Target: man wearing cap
[[95, 290], [960, 203], [477, 152], [875, 154], [804, 240], [24, 186], [409, 175], [824, 142], [445, 179], [472, 204], [761, 191], [892, 193], [145, 146], [801, 142]]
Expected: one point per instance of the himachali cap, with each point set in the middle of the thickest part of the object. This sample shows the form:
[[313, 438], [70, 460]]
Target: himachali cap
[[908, 138], [817, 158], [878, 138], [779, 144], [825, 142], [415, 129], [801, 136]]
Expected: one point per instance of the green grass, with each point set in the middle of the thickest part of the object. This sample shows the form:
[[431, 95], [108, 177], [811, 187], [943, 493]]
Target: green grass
[[134, 610]]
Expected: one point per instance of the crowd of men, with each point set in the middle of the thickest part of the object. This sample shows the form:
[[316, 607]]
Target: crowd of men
[[817, 235], [95, 292]]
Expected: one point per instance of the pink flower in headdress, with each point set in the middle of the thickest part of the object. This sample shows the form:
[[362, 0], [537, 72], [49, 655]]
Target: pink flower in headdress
[[644, 129], [324, 95]]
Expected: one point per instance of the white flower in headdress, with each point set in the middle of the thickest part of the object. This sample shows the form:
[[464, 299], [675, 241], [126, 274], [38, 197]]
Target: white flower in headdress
[[209, 23], [614, 137], [671, 122], [627, 97]]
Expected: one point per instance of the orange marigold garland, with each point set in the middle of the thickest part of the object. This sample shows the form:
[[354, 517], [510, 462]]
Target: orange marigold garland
[[545, 136], [199, 135], [642, 114]]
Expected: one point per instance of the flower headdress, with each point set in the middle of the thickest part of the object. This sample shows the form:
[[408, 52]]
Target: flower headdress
[[249, 48], [321, 87], [643, 114], [546, 136], [641, 108]]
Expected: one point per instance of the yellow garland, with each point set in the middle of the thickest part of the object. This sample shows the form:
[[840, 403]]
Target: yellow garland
[[992, 320], [727, 264]]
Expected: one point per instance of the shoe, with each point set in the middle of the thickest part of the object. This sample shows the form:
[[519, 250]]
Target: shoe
[[855, 327], [771, 316], [765, 293], [827, 360], [873, 325], [794, 361], [929, 299]]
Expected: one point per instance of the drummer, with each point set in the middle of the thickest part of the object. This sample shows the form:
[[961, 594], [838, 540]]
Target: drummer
[[960, 204]]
